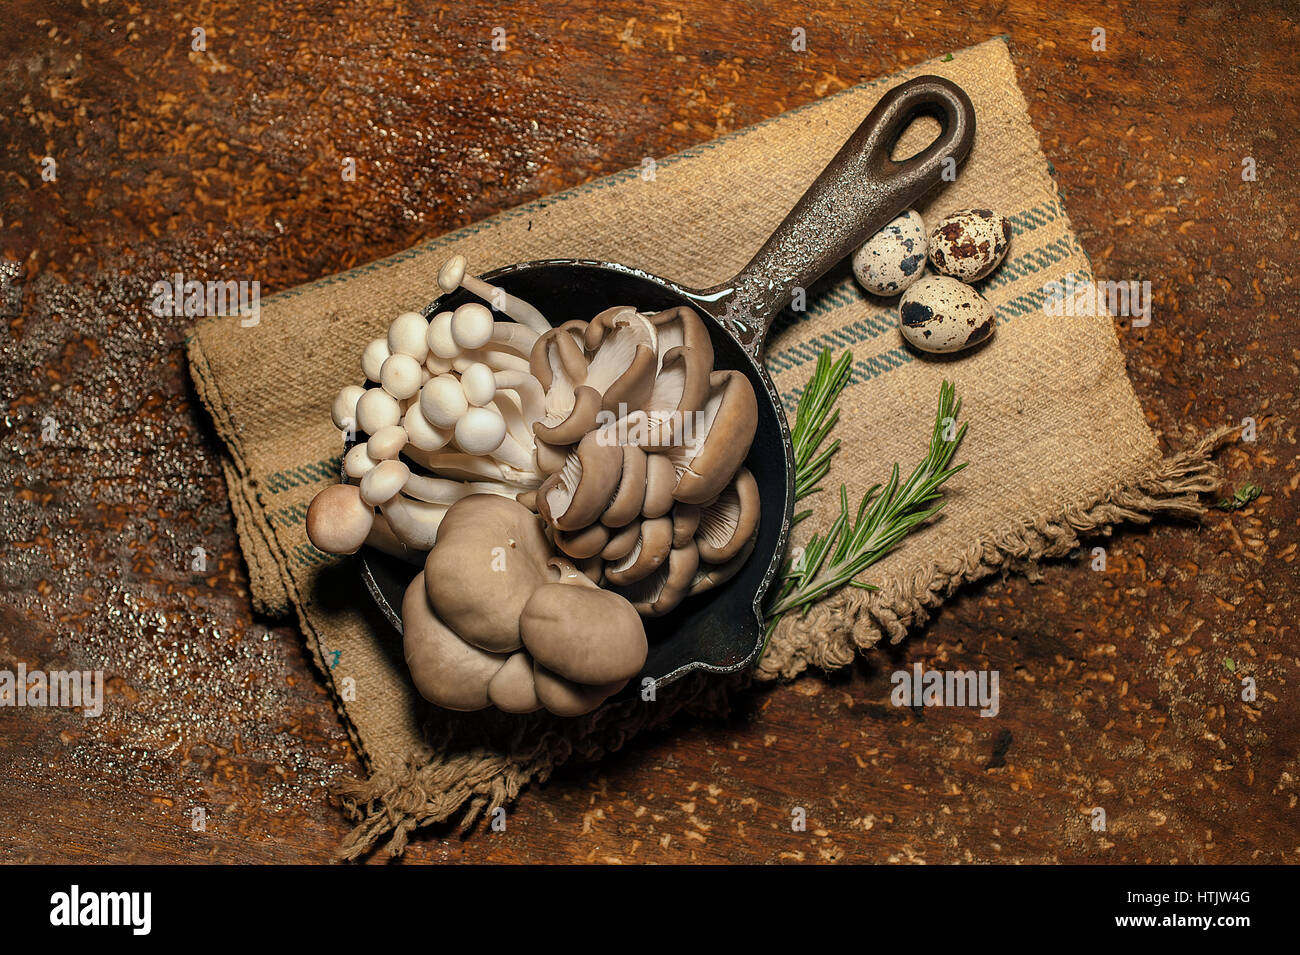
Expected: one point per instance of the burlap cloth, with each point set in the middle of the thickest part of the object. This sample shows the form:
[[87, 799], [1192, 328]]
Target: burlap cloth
[[1057, 445]]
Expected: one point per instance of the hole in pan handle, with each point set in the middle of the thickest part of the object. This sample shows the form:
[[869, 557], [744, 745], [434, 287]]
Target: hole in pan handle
[[858, 193]]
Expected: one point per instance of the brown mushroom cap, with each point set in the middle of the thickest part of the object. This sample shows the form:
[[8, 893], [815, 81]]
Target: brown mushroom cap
[[559, 349], [709, 576], [566, 698], [584, 634], [338, 521], [578, 493], [706, 462], [445, 669], [490, 556], [512, 690], [550, 457], [621, 543], [650, 550], [682, 381], [625, 506], [624, 358], [727, 523], [660, 481], [686, 520], [588, 542], [583, 418], [668, 586]]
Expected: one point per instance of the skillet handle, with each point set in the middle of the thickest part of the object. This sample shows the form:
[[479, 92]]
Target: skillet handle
[[856, 195]]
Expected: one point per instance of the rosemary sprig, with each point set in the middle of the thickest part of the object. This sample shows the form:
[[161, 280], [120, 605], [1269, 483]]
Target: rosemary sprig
[[814, 418], [1245, 495], [856, 540]]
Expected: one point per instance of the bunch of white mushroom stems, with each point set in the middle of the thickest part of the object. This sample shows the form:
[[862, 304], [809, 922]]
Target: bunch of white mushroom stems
[[618, 432]]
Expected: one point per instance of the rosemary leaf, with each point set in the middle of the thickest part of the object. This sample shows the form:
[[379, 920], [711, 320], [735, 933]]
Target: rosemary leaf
[[886, 513]]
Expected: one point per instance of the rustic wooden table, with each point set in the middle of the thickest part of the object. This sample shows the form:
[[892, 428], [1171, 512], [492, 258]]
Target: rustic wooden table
[[225, 162]]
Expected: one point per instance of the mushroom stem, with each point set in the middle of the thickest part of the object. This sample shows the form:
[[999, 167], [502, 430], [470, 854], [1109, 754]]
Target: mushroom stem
[[453, 275], [382, 538], [414, 522], [498, 359], [532, 399]]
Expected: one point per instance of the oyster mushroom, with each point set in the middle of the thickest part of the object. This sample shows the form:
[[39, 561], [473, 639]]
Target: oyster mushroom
[[621, 543], [566, 698], [726, 525], [559, 365], [583, 633], [445, 669], [682, 379], [588, 542], [663, 590], [660, 482], [452, 276], [650, 550], [718, 442], [489, 557], [623, 346], [626, 503], [709, 576], [578, 493], [512, 689]]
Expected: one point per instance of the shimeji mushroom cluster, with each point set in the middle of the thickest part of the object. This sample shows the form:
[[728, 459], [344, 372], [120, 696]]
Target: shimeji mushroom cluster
[[613, 447]]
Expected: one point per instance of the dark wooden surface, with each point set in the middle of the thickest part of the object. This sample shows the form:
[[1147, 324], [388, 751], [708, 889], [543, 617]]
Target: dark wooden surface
[[225, 163]]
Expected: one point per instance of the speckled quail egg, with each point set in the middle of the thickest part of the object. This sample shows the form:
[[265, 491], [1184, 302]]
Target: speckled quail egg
[[969, 244], [894, 257], [940, 314]]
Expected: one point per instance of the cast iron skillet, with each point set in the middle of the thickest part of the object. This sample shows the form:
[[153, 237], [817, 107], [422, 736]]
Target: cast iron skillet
[[856, 195]]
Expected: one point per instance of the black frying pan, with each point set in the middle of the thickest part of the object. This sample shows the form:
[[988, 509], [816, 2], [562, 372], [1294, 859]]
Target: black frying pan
[[856, 195]]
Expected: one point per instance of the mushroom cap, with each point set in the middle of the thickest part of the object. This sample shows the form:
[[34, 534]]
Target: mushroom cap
[[377, 409], [584, 634], [550, 457], [660, 481], [578, 493], [445, 669], [471, 325], [383, 481], [452, 273], [624, 358], [558, 350], [373, 356], [409, 335], [582, 419], [588, 542], [686, 521], [730, 521], [709, 576], [650, 550], [625, 505], [512, 690], [343, 412], [566, 698], [663, 590], [720, 441], [621, 543], [489, 557], [682, 380], [338, 521]]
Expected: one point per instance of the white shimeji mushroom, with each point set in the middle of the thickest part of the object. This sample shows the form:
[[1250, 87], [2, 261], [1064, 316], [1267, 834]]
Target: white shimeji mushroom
[[439, 338], [401, 375], [408, 335], [452, 276], [377, 409], [471, 326], [373, 358], [383, 481], [479, 384], [386, 443], [343, 411], [443, 401], [357, 463], [414, 522], [422, 434]]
